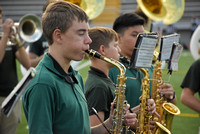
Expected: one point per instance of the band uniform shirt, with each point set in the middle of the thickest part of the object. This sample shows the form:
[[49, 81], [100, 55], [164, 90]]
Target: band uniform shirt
[[54, 106], [8, 71], [192, 78], [99, 92], [133, 86]]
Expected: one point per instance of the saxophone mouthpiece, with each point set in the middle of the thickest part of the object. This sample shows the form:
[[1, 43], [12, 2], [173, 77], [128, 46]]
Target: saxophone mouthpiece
[[93, 53], [87, 51]]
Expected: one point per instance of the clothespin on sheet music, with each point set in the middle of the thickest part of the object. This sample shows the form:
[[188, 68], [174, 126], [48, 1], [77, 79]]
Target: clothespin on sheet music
[[166, 45], [174, 58]]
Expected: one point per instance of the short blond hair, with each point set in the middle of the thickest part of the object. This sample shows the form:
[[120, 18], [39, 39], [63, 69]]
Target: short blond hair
[[60, 15], [101, 36]]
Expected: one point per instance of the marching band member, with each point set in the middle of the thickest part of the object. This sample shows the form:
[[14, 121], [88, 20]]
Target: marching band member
[[191, 86], [8, 75], [128, 26], [101, 93]]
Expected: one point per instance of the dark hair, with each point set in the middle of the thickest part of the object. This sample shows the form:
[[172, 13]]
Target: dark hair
[[101, 36], [127, 20], [60, 15]]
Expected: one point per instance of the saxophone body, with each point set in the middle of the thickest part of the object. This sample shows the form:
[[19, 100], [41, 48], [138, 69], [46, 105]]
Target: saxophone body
[[165, 109], [155, 95], [119, 100], [144, 116]]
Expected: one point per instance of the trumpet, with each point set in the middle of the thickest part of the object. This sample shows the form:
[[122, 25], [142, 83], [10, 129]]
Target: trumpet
[[28, 29]]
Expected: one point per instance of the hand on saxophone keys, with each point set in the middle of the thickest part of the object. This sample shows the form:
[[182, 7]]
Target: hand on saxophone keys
[[130, 118], [168, 91], [152, 111], [152, 107]]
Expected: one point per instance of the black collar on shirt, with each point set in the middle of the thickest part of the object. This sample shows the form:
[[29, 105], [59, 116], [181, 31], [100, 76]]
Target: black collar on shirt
[[97, 72], [69, 78]]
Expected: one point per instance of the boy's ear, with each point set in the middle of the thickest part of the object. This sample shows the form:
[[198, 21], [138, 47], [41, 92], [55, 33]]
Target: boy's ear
[[102, 50], [119, 37], [57, 35]]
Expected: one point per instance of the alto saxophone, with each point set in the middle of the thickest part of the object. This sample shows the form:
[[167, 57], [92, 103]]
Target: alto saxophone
[[165, 109], [144, 117], [119, 100]]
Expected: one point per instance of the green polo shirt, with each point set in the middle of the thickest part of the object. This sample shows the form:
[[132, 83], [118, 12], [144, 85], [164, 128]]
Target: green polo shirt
[[54, 106], [99, 92], [133, 86]]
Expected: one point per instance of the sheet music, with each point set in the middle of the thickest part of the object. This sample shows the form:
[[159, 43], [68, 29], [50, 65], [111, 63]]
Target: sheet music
[[144, 51], [145, 54], [166, 45]]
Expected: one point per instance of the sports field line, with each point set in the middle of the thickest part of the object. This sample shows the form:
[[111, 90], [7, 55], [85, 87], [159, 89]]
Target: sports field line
[[189, 115]]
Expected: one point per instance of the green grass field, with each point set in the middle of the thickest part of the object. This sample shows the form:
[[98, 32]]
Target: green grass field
[[187, 123]]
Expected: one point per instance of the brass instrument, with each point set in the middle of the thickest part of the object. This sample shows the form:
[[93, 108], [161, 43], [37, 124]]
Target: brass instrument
[[165, 109], [153, 9], [29, 29], [157, 81], [93, 8], [169, 111], [119, 101], [143, 116], [168, 11]]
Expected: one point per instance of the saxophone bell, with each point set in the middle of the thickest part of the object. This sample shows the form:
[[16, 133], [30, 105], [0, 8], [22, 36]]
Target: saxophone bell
[[164, 127], [170, 110]]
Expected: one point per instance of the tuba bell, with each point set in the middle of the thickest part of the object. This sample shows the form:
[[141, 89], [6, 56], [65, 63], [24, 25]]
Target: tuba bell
[[93, 8], [195, 44], [168, 11], [153, 9], [175, 10]]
